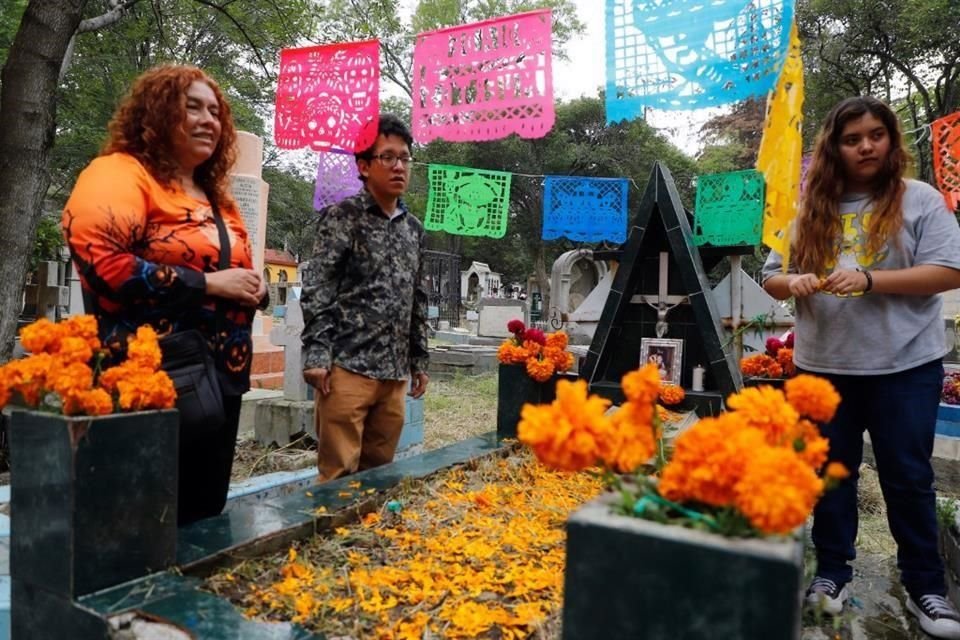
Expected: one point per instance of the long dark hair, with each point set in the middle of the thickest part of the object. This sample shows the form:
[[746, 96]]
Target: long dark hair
[[818, 224]]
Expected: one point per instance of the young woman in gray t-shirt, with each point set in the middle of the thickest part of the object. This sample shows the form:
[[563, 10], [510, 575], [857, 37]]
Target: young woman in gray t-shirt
[[870, 252]]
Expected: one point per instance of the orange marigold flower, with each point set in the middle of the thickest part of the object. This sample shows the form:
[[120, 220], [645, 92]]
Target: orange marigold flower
[[507, 353], [813, 397], [708, 460], [671, 394], [532, 348], [785, 360], [558, 340], [70, 378], [144, 348], [74, 349], [93, 402], [765, 408], [540, 370], [642, 385], [836, 471], [41, 336], [83, 327], [566, 434], [634, 440], [774, 370], [756, 365], [810, 445], [777, 491]]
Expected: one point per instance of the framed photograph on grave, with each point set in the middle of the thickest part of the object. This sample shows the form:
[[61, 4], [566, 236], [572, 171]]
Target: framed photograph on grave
[[667, 354]]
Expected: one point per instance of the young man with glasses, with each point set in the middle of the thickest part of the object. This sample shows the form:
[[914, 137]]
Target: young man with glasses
[[365, 312]]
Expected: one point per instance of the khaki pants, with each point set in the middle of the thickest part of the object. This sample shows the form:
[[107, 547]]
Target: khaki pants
[[358, 424]]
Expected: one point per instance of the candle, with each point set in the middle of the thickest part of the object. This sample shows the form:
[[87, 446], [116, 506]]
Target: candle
[[698, 372]]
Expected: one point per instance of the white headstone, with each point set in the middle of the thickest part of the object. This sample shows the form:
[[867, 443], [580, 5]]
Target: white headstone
[[287, 335]]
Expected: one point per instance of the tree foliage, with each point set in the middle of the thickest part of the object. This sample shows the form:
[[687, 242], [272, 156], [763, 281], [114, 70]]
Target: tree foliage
[[904, 52]]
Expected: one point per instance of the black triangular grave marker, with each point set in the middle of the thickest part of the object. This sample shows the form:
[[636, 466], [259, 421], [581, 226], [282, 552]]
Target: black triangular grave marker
[[662, 226]]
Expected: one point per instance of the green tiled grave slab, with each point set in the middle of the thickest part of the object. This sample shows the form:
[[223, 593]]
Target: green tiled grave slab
[[256, 528], [137, 593], [385, 477], [258, 522], [206, 616], [270, 525], [177, 600]]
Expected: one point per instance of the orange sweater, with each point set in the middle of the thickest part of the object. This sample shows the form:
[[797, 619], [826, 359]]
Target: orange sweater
[[141, 250]]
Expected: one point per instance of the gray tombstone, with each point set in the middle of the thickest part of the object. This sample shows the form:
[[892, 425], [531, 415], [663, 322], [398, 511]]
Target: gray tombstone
[[287, 335]]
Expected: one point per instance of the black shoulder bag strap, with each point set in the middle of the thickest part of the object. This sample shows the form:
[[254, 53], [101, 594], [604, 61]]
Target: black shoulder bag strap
[[224, 240], [224, 262]]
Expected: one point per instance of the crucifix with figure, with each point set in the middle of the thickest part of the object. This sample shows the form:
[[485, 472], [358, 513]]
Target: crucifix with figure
[[662, 302]]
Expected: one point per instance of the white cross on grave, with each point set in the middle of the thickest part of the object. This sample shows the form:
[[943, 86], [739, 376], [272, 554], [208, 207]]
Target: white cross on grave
[[662, 302], [287, 336]]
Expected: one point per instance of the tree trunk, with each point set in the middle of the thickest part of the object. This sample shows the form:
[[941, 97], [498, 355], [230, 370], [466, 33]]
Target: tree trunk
[[28, 113]]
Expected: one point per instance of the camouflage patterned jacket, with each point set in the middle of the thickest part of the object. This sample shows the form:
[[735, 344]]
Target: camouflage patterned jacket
[[364, 302]]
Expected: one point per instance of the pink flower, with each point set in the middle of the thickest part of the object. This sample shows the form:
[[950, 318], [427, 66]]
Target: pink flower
[[536, 335], [516, 327], [773, 346], [788, 343]]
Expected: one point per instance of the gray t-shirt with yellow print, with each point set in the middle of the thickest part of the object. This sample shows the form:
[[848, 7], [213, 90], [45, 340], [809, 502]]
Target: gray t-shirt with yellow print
[[872, 334]]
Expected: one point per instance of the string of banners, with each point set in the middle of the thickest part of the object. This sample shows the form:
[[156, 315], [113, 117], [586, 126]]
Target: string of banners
[[476, 202]]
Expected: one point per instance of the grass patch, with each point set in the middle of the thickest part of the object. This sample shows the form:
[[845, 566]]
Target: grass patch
[[459, 408]]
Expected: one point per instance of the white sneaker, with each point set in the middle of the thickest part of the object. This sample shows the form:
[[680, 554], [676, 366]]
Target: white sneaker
[[826, 595], [936, 616]]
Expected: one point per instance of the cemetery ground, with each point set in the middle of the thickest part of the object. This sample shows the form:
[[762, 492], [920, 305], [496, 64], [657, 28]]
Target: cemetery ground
[[461, 407], [455, 408]]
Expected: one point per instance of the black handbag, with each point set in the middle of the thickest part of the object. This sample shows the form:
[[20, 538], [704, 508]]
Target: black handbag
[[189, 364]]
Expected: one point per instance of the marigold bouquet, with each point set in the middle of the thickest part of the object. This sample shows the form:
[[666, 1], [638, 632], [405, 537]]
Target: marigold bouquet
[[543, 354], [776, 362], [64, 373], [757, 469]]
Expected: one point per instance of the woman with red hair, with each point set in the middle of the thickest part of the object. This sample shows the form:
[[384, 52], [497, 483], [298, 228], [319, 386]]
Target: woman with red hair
[[145, 224]]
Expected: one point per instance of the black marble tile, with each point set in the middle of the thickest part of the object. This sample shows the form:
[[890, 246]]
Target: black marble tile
[[232, 529], [631, 578], [137, 593], [37, 614], [206, 616], [516, 388], [93, 501]]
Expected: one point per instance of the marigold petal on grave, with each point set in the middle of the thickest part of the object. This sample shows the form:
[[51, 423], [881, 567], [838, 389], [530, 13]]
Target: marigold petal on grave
[[813, 396]]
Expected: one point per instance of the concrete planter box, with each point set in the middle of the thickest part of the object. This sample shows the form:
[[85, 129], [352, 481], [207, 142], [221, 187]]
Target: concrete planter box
[[93, 504], [632, 578], [514, 389]]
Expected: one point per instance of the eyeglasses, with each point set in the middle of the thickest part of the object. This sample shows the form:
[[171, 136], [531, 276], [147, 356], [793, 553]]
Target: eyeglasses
[[390, 160]]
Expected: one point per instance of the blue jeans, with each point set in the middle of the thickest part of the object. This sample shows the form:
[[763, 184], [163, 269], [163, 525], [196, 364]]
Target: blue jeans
[[899, 410]]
